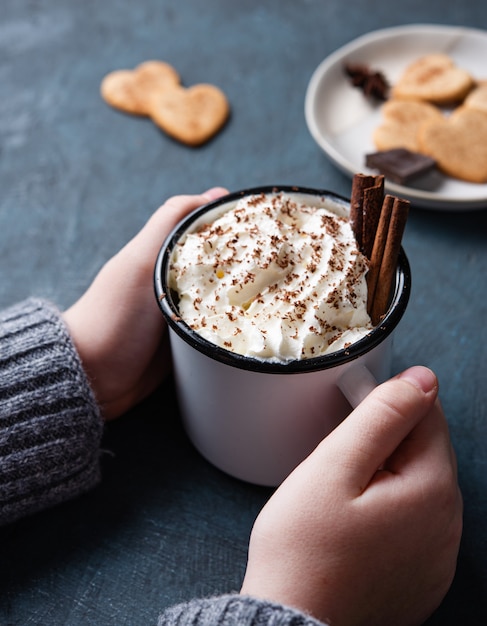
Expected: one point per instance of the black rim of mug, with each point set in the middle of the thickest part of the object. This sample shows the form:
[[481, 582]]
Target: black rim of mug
[[168, 306]]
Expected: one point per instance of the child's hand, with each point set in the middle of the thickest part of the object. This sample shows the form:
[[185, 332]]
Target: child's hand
[[366, 530], [117, 326]]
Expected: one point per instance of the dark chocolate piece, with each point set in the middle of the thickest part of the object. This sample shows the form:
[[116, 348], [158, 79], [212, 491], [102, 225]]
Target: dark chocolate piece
[[399, 164]]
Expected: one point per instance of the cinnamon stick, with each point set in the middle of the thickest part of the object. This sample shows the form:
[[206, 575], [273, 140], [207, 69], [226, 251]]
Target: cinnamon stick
[[389, 237], [359, 183], [371, 210], [378, 249]]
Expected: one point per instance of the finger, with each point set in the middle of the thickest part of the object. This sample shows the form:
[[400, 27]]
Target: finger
[[427, 446], [214, 193], [422, 470], [149, 240], [175, 208], [373, 431]]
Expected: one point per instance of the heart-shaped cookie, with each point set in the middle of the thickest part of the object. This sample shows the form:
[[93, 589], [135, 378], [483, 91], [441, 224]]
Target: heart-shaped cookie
[[190, 115], [477, 99], [401, 120], [458, 144], [434, 78], [132, 91]]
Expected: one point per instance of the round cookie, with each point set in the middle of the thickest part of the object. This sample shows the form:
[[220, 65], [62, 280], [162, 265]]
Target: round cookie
[[401, 122], [434, 78], [458, 144]]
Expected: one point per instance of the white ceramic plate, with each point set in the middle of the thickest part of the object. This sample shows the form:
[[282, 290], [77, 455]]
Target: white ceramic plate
[[342, 120]]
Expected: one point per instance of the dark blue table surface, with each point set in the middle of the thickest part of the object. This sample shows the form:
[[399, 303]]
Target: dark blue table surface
[[78, 179]]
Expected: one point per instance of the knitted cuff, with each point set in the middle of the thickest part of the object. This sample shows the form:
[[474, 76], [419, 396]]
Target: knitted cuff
[[50, 425], [234, 610]]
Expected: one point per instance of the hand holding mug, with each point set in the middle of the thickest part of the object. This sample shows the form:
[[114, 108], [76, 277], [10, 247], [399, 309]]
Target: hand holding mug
[[366, 530], [116, 325]]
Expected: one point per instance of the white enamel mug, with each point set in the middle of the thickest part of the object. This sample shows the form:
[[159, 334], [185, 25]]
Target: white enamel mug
[[256, 419]]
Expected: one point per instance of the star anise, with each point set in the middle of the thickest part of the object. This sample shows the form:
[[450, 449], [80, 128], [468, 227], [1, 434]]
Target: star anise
[[372, 83]]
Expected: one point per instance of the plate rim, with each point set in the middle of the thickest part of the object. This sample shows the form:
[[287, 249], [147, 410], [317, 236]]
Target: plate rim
[[424, 199]]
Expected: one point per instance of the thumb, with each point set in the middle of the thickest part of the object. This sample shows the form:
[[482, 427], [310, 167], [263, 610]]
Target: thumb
[[147, 242], [176, 207], [371, 433]]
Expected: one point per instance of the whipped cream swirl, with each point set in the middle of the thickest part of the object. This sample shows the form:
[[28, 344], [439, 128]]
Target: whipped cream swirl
[[276, 277]]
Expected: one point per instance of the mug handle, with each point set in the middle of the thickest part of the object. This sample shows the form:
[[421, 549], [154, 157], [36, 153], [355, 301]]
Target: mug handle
[[356, 383]]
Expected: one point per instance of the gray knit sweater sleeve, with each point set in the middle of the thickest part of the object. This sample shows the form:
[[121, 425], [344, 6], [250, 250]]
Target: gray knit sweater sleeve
[[234, 610], [50, 431], [50, 426]]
